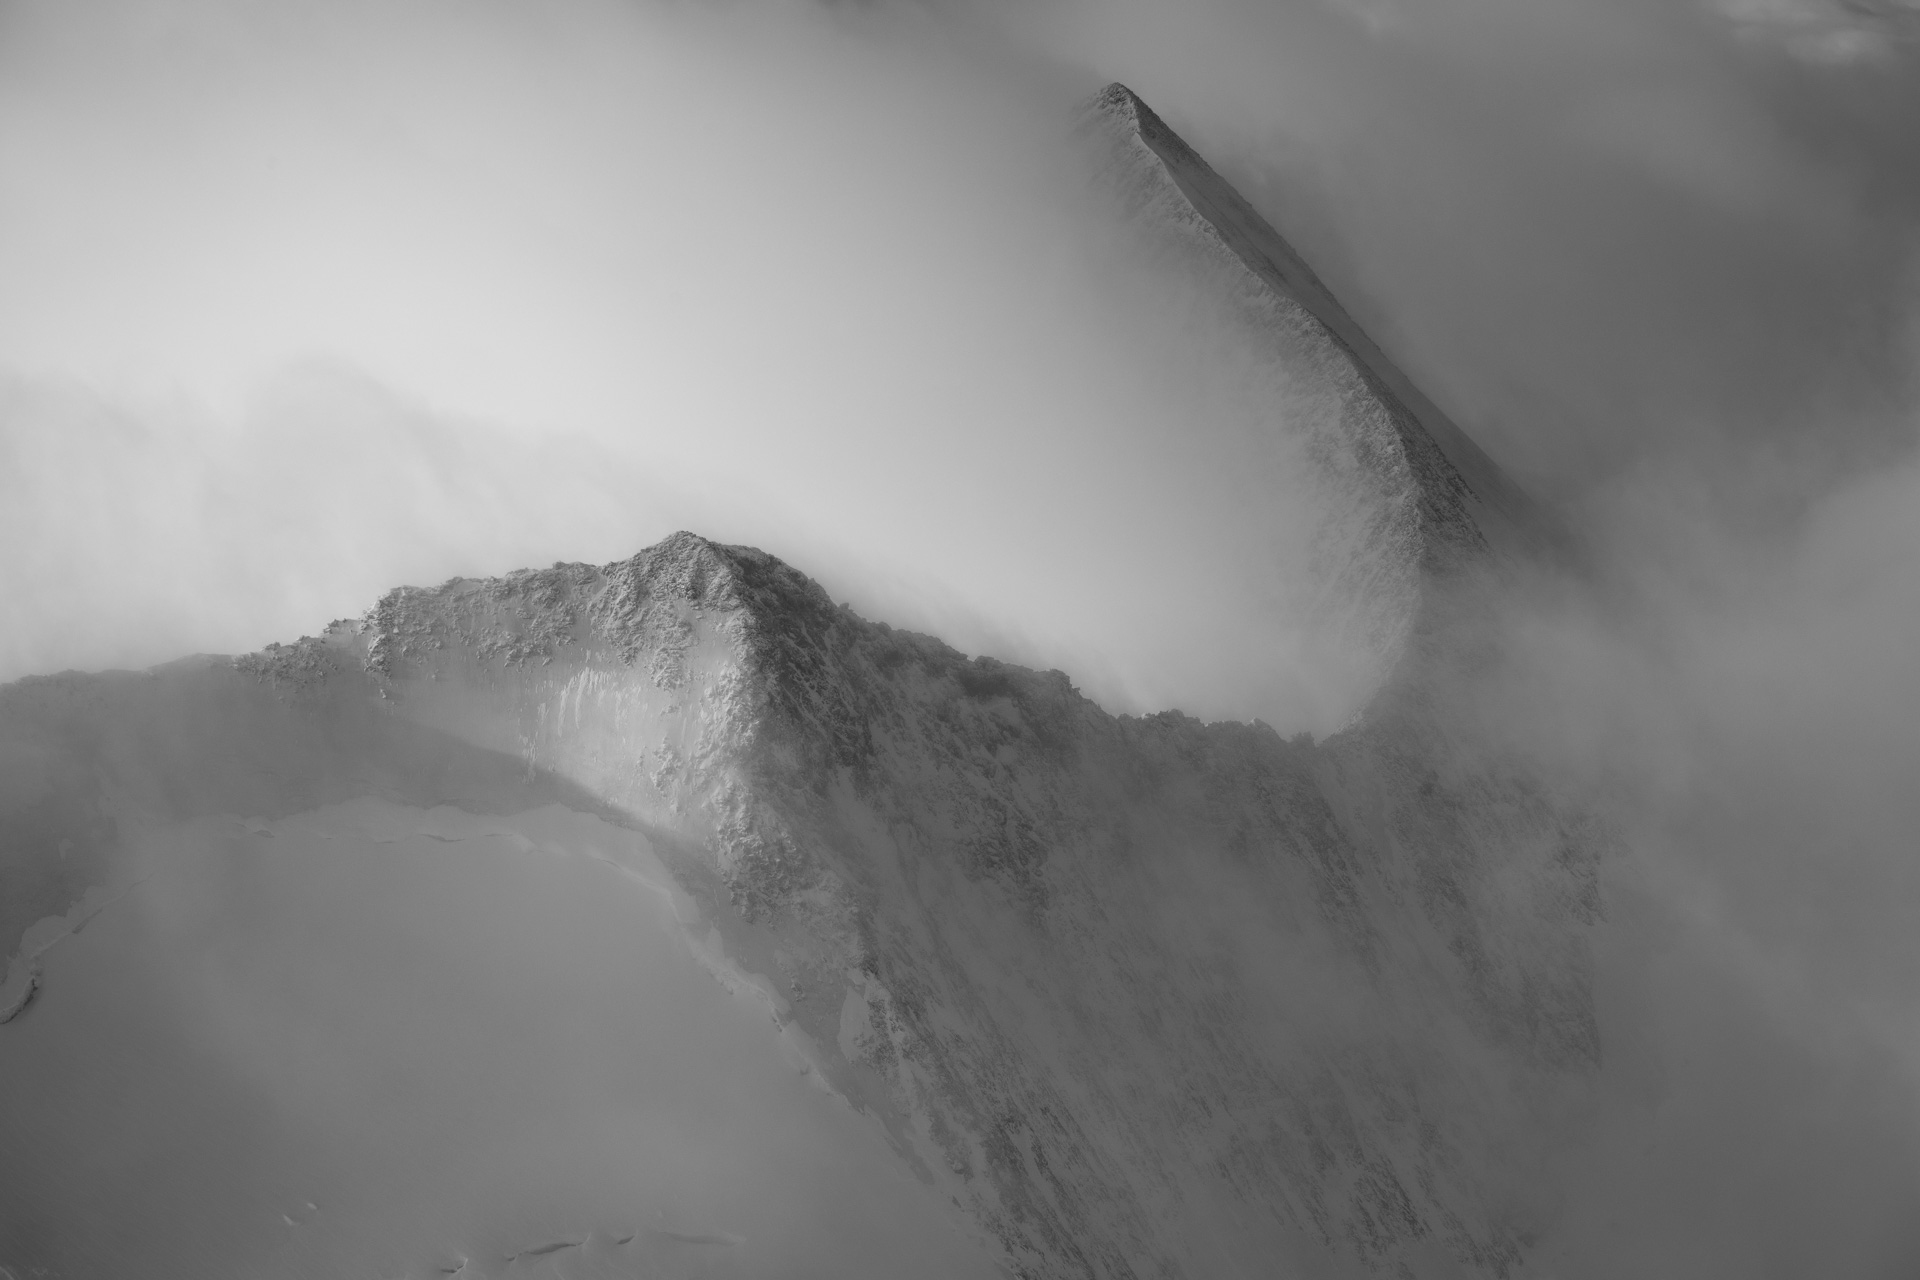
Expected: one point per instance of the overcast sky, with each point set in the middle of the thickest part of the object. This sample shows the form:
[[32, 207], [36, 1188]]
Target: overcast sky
[[300, 303]]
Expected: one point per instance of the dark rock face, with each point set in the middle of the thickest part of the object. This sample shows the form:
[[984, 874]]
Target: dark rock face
[[1148, 997]]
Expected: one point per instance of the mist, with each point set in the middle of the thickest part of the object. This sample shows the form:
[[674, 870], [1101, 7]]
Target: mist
[[232, 1089], [836, 286], [304, 306]]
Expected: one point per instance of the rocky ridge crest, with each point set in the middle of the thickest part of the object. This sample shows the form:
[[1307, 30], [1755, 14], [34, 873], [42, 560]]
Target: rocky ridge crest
[[956, 875]]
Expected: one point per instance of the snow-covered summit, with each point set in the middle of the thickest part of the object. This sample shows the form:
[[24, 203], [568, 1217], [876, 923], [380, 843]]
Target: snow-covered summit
[[1412, 523]]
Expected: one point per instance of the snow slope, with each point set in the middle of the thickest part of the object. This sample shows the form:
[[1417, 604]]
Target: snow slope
[[1409, 515], [371, 1038]]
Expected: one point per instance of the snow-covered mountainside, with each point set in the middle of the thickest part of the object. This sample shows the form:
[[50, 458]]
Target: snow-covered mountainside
[[1139, 996], [1409, 514]]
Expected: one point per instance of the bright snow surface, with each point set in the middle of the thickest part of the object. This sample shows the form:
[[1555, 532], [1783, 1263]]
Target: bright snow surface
[[377, 1040]]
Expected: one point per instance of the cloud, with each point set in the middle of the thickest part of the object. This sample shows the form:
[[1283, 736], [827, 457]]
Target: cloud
[[836, 259], [138, 531], [1744, 712], [1828, 31]]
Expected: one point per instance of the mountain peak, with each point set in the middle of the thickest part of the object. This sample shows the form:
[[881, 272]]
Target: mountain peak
[[1415, 522], [1451, 467]]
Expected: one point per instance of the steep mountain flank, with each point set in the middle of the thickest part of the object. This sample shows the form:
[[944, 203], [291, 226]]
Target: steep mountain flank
[[1111, 974], [1412, 519], [1170, 185], [1147, 996]]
